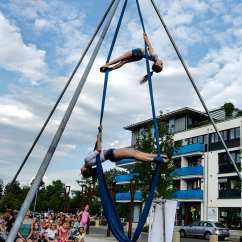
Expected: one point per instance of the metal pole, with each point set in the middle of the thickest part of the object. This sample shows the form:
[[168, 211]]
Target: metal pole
[[35, 203], [164, 221], [56, 139], [131, 210], [112, 188], [196, 89], [57, 102], [67, 192], [91, 194]]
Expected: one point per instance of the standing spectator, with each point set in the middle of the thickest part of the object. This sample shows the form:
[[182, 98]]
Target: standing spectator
[[26, 229], [4, 222], [76, 226], [46, 215], [47, 223], [11, 218]]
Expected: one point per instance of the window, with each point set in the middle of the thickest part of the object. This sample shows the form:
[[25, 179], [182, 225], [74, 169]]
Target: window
[[200, 139], [232, 134], [215, 138], [225, 166], [229, 188], [205, 139], [177, 163], [229, 217], [195, 224], [237, 133], [190, 141], [194, 184], [212, 138], [194, 140]]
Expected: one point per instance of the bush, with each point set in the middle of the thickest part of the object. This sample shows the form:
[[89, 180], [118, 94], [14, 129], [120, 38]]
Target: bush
[[146, 229], [204, 122], [92, 223]]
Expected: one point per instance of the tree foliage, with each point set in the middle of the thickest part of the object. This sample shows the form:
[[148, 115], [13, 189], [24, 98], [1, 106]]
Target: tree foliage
[[145, 142]]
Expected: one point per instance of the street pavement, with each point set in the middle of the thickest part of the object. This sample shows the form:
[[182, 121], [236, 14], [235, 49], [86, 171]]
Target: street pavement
[[99, 235]]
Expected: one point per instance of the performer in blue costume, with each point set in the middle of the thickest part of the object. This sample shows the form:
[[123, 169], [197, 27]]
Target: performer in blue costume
[[113, 155], [136, 55]]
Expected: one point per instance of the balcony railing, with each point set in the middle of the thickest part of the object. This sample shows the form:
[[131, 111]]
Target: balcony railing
[[230, 193], [190, 148], [189, 194], [127, 196], [128, 177], [186, 171], [124, 161]]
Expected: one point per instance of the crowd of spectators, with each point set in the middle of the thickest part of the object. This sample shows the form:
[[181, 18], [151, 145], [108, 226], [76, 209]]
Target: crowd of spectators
[[57, 228]]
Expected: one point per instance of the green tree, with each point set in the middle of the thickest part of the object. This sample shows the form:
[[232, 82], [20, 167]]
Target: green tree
[[1, 188], [145, 142], [228, 109]]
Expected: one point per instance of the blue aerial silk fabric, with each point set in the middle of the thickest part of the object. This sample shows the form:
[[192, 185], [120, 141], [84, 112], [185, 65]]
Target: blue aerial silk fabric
[[108, 204]]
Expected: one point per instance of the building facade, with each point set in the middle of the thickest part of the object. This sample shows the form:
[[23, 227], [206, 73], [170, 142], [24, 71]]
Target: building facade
[[208, 187]]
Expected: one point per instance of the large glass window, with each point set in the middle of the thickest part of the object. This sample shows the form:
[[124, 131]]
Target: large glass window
[[237, 133], [225, 166], [230, 217], [200, 139], [232, 134], [205, 139], [177, 163], [194, 140], [229, 188]]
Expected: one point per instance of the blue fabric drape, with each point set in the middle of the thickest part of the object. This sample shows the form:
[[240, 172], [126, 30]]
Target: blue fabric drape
[[108, 204]]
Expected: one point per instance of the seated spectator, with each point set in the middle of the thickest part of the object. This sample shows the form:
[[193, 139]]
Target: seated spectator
[[47, 222], [76, 225], [26, 229], [36, 233], [63, 218], [199, 163], [58, 222], [53, 216], [39, 227], [80, 235], [51, 233], [11, 218], [4, 222], [71, 234]]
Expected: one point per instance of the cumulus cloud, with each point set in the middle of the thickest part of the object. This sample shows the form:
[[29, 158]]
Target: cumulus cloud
[[16, 56], [213, 59]]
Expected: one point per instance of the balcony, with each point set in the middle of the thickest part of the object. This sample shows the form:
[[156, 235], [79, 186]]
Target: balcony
[[197, 149], [189, 171], [124, 179], [126, 197], [189, 194], [126, 163]]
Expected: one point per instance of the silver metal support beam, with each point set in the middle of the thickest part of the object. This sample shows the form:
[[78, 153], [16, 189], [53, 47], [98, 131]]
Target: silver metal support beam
[[196, 89], [36, 183], [57, 102]]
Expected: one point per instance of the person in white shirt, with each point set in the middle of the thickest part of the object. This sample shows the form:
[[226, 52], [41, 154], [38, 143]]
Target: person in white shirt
[[136, 55], [113, 155]]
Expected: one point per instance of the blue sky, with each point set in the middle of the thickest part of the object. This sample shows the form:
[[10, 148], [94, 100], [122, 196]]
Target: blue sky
[[41, 41]]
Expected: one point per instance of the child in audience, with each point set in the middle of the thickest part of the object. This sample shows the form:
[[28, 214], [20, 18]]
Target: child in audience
[[76, 225], [36, 233], [80, 235], [71, 234], [51, 233], [63, 233], [4, 222], [85, 216]]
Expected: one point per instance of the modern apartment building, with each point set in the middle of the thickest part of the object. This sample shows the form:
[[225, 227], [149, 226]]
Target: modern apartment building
[[208, 186]]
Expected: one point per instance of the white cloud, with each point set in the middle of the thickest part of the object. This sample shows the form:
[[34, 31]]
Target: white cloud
[[16, 56]]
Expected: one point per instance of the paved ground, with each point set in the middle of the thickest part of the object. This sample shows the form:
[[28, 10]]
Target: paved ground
[[99, 235]]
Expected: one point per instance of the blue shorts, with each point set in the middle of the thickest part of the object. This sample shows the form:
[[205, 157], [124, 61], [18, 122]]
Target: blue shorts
[[110, 156], [137, 54]]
